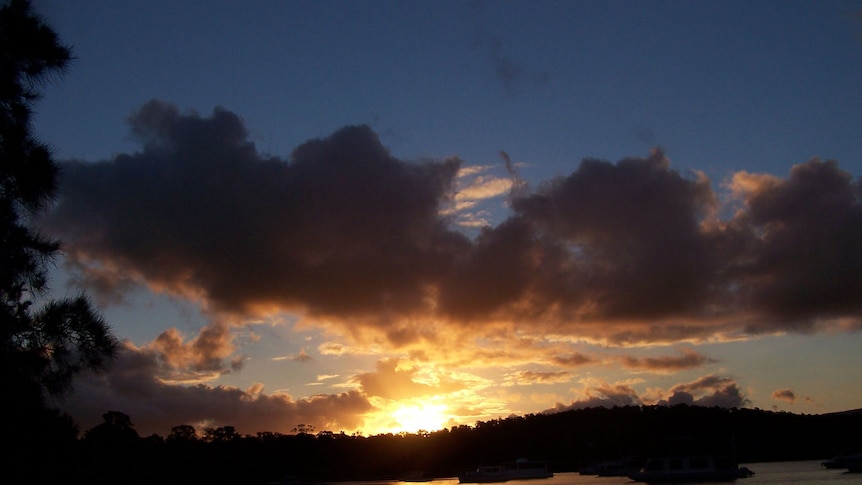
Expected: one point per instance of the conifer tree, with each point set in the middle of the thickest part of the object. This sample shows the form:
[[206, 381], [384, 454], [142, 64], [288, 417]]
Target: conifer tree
[[43, 342]]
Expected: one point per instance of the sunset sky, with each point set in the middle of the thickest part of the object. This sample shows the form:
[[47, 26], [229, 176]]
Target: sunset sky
[[383, 216]]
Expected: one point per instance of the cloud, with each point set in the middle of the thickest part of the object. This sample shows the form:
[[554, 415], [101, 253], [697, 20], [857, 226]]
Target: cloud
[[200, 359], [709, 391], [786, 395], [302, 356], [706, 391], [856, 17], [789, 396], [155, 407], [572, 360], [398, 379], [688, 360], [526, 378], [341, 229], [476, 185], [803, 268], [603, 395], [513, 73], [359, 243]]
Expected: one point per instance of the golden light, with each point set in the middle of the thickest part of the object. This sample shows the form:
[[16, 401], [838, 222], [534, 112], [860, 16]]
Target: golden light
[[408, 416], [424, 416]]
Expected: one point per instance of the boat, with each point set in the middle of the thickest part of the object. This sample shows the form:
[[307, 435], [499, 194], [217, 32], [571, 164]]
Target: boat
[[852, 463], [620, 467], [521, 469], [698, 468]]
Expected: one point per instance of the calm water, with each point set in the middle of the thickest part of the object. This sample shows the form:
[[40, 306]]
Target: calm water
[[793, 472]]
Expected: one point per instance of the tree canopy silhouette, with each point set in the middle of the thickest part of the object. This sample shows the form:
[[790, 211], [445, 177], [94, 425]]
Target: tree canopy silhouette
[[44, 343]]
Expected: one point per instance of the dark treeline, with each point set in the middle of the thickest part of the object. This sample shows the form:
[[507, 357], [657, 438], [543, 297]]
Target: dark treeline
[[114, 453]]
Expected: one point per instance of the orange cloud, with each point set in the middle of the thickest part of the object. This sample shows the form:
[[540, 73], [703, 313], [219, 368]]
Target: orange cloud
[[786, 395], [201, 358]]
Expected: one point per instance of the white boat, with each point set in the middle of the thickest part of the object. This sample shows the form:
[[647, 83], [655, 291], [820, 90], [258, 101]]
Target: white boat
[[521, 469], [700, 468]]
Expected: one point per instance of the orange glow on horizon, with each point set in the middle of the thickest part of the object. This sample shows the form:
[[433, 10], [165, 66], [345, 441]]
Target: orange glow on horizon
[[410, 416]]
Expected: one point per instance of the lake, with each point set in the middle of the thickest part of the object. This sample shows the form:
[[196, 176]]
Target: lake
[[788, 472]]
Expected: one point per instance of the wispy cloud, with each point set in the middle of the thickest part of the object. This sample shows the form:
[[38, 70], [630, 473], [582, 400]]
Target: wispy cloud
[[514, 74], [688, 359], [524, 378]]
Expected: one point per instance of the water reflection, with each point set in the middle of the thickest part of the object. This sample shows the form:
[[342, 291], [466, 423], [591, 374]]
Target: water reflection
[[794, 472]]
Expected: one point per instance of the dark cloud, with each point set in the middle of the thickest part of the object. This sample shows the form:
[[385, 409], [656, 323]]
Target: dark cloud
[[342, 228], [343, 232], [514, 74], [708, 391], [856, 17], [621, 240], [604, 395], [353, 239], [155, 407], [688, 360], [805, 265]]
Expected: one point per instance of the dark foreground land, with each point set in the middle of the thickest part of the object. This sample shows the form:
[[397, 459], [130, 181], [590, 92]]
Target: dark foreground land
[[567, 440]]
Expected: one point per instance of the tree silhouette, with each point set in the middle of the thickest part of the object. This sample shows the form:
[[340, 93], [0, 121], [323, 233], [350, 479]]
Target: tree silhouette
[[183, 433], [221, 434], [117, 429], [41, 347], [43, 343], [303, 429]]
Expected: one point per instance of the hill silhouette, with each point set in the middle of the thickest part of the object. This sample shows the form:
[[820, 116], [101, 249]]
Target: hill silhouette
[[567, 440]]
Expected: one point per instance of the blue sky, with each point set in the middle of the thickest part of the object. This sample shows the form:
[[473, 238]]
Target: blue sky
[[733, 94]]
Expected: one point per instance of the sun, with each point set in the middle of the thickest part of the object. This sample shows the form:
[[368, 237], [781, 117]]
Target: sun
[[420, 416]]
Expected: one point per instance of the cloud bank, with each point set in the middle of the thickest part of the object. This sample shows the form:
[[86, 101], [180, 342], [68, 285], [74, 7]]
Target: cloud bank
[[133, 387], [367, 247], [345, 233]]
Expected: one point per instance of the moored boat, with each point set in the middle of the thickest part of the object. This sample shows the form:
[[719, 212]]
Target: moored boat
[[521, 469], [852, 463], [621, 467], [700, 468]]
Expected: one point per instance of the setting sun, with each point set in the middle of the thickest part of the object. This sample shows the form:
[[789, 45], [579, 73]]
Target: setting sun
[[428, 417]]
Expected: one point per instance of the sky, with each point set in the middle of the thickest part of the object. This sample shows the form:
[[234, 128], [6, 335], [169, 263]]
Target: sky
[[392, 216]]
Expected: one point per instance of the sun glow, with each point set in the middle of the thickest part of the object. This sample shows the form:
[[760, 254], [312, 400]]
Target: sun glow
[[415, 417], [410, 416]]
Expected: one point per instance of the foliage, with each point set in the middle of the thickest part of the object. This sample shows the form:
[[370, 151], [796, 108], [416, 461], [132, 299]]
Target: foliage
[[116, 430], [42, 348], [184, 433]]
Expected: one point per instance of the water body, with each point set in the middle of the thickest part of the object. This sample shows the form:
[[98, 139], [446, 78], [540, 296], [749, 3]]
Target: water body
[[784, 473]]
